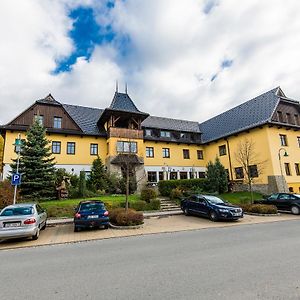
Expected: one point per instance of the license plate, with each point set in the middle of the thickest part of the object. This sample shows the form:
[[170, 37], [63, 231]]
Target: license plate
[[12, 224], [93, 217], [236, 214]]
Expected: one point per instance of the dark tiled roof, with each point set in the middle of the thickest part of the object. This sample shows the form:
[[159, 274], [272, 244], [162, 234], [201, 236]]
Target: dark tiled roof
[[123, 102], [171, 124], [49, 100], [86, 118], [252, 113]]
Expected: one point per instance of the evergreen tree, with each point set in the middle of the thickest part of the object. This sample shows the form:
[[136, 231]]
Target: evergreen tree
[[36, 165], [98, 177], [216, 177]]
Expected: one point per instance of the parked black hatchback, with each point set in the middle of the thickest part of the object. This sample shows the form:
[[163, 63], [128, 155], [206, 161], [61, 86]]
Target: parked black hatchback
[[283, 201], [90, 214], [211, 207]]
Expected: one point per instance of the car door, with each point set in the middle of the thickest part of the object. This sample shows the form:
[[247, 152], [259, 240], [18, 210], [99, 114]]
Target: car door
[[202, 207], [41, 215], [283, 201], [192, 204]]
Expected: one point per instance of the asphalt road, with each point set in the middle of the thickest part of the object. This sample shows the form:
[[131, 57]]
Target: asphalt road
[[242, 262]]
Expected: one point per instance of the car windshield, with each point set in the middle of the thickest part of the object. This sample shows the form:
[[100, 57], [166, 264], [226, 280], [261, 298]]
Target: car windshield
[[17, 211], [92, 206], [214, 200]]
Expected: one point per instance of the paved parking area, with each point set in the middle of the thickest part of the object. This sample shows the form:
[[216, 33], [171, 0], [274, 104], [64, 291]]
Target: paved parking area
[[64, 233]]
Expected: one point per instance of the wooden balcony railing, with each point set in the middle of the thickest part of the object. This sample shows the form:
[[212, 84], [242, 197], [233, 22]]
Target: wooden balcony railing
[[125, 133]]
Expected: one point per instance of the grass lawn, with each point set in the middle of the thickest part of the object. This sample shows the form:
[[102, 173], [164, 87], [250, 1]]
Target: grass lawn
[[240, 197], [65, 208]]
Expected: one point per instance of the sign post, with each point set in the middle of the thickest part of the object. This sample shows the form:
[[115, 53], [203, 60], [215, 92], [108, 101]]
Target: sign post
[[16, 177]]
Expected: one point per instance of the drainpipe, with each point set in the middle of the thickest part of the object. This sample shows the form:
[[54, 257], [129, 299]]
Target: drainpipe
[[229, 158]]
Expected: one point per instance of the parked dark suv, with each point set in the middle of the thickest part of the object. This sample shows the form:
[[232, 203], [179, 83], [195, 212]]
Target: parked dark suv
[[211, 207], [283, 201]]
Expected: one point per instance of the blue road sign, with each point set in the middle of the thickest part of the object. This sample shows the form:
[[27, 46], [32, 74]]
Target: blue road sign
[[16, 179]]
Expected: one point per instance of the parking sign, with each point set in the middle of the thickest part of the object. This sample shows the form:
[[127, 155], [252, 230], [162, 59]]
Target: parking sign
[[16, 179]]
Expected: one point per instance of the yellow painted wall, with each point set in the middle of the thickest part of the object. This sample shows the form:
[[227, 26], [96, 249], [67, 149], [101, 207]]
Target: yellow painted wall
[[82, 148], [260, 139], [1, 151], [176, 155], [293, 151]]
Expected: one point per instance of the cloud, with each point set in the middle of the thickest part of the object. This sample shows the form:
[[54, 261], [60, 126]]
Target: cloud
[[167, 50]]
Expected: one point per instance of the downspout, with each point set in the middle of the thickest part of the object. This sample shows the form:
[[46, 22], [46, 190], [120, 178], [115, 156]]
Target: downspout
[[229, 158]]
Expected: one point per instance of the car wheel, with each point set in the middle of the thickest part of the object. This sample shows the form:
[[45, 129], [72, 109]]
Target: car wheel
[[186, 212], [44, 226], [36, 236], [213, 216], [295, 210], [76, 229]]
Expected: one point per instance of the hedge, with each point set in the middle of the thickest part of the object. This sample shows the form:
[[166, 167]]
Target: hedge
[[119, 217], [147, 194], [259, 208], [166, 186]]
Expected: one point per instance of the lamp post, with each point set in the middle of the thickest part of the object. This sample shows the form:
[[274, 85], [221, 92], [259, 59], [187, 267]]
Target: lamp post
[[18, 145], [280, 163]]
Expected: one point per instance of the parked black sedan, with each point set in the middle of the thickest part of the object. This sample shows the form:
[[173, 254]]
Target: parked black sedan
[[283, 201], [90, 214], [211, 207]]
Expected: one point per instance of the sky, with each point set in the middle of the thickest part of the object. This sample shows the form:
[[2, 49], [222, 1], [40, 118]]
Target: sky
[[190, 59]]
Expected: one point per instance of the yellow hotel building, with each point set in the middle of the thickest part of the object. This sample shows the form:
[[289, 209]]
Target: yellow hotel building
[[166, 148]]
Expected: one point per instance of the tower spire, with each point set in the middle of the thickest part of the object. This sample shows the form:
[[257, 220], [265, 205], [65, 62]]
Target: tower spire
[[117, 86], [126, 88]]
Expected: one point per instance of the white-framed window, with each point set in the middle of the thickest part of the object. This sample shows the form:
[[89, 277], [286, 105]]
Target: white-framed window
[[164, 133], [166, 152], [39, 119], [126, 147], [57, 122], [149, 152], [94, 149], [56, 147], [70, 147]]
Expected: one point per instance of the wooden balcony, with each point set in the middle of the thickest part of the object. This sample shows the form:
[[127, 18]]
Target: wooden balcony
[[125, 133]]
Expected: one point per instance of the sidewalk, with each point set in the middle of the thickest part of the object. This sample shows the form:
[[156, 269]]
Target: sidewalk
[[64, 233]]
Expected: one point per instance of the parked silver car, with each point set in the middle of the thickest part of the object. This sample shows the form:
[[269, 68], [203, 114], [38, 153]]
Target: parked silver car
[[22, 220]]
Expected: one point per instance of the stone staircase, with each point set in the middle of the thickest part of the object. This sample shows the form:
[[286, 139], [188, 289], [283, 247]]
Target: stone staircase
[[168, 205]]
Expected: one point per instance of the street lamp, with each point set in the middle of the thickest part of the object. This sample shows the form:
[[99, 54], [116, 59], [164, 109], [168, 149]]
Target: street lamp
[[279, 157]]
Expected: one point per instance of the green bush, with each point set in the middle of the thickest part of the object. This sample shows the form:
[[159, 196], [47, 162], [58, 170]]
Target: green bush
[[147, 194], [153, 205], [138, 205], [259, 208], [176, 194], [121, 218], [166, 186]]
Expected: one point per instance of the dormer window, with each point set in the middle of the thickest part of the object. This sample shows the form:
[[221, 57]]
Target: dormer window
[[164, 133], [288, 117], [296, 117], [148, 132], [39, 119], [57, 122]]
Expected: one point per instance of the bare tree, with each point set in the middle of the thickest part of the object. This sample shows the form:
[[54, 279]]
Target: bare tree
[[128, 163], [250, 161]]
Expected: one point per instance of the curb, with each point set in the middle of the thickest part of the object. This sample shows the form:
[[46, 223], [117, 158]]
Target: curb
[[125, 227], [261, 215]]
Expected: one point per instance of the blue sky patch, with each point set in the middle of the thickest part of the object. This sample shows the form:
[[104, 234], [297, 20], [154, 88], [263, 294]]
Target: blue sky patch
[[86, 34], [209, 5], [226, 63]]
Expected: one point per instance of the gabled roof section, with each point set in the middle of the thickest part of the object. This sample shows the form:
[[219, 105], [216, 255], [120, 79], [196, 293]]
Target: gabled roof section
[[122, 101], [86, 118], [49, 100], [171, 124], [252, 113]]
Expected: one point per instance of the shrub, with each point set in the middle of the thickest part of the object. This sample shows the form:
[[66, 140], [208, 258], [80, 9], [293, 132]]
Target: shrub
[[147, 194], [259, 208], [153, 205], [176, 194], [121, 218], [138, 205], [6, 194], [166, 186]]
